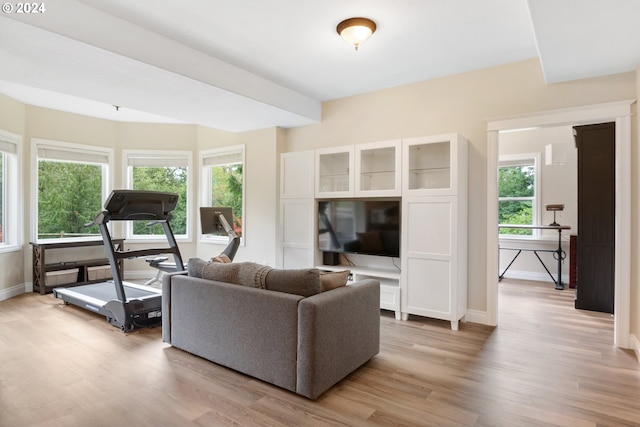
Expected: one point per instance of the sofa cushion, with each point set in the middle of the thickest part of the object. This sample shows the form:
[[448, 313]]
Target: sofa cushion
[[195, 265], [333, 279], [241, 273], [305, 282]]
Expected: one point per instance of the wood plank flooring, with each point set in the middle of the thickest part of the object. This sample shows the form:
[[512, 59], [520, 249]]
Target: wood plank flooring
[[546, 364]]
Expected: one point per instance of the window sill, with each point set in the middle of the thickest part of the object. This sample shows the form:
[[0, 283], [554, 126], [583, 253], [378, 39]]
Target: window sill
[[7, 248]]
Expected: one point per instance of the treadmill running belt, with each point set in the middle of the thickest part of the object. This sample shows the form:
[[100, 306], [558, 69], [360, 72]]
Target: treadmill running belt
[[107, 292]]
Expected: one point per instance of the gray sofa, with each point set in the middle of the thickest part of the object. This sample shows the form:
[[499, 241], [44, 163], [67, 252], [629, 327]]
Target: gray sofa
[[304, 344]]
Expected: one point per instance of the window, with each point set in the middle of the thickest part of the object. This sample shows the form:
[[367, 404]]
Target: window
[[160, 171], [71, 188], [10, 187], [223, 183], [518, 193]]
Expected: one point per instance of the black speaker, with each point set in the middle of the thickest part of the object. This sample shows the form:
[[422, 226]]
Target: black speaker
[[330, 258]]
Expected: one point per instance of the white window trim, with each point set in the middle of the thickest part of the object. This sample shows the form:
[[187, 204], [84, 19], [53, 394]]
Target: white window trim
[[11, 144], [166, 158], [526, 158], [71, 147], [205, 191]]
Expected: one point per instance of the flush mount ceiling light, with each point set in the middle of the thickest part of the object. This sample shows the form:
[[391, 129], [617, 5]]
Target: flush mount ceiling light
[[356, 30]]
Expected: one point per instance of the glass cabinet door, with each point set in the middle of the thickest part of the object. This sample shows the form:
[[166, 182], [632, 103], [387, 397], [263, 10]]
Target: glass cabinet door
[[378, 169], [334, 172], [431, 164]]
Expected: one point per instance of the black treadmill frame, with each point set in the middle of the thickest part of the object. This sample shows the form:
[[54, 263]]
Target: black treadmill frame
[[129, 313]]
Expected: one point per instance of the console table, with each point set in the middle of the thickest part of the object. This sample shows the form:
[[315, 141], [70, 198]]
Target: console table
[[559, 254], [40, 266]]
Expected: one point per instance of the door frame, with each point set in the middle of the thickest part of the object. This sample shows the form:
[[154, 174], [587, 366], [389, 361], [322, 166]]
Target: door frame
[[618, 112]]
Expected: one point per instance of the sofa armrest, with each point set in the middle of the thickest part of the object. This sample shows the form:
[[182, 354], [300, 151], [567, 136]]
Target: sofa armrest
[[166, 304], [338, 331]]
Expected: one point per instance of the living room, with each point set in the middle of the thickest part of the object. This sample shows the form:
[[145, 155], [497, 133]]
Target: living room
[[463, 103]]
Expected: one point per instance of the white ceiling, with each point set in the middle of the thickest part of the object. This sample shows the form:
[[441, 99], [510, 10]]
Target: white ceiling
[[249, 64]]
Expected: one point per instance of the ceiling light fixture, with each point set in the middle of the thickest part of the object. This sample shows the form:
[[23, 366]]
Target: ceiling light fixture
[[356, 30]]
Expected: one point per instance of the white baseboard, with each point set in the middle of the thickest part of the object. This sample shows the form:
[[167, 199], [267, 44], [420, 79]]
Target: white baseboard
[[476, 316], [15, 291], [635, 346], [535, 276]]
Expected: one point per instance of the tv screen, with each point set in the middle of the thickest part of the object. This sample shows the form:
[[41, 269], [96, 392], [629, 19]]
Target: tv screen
[[363, 226]]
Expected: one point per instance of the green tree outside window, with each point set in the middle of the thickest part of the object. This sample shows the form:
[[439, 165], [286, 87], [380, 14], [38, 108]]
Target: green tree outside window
[[167, 179], [226, 190], [516, 192], [69, 196]]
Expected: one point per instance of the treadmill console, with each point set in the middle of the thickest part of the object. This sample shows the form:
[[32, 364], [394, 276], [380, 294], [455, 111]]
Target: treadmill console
[[128, 205]]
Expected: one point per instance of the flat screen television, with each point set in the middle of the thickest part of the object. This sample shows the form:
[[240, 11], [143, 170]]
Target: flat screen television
[[362, 226]]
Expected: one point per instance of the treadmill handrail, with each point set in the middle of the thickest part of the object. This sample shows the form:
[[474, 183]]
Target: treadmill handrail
[[142, 253]]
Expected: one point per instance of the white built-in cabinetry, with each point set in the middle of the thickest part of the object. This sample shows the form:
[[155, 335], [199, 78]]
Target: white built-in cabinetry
[[297, 210], [434, 228], [430, 175]]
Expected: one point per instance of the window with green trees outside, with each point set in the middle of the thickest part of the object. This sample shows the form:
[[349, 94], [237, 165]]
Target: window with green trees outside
[[71, 188], [166, 171], [69, 197], [516, 195], [223, 182]]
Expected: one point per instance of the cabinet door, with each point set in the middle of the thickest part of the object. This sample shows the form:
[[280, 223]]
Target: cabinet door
[[296, 174], [433, 165], [434, 250], [377, 169], [297, 225], [334, 172]]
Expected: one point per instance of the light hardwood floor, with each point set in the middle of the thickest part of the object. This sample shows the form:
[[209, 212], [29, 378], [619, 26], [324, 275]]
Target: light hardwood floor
[[545, 364]]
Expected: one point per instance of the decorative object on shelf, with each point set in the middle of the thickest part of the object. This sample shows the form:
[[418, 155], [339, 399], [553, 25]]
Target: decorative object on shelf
[[555, 208], [356, 30]]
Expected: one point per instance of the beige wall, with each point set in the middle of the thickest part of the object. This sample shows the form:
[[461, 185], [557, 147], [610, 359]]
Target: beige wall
[[463, 104]]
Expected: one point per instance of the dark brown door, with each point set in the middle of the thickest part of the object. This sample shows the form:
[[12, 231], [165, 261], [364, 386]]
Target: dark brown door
[[596, 217]]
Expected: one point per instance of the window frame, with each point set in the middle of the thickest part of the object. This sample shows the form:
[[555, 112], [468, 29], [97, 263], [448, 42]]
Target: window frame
[[152, 158], [205, 189], [11, 150], [524, 159], [74, 150]]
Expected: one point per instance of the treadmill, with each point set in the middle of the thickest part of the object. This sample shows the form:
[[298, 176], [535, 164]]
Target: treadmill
[[128, 305]]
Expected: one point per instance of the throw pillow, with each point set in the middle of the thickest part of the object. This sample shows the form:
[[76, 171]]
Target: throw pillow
[[305, 282], [195, 266], [333, 279], [241, 273]]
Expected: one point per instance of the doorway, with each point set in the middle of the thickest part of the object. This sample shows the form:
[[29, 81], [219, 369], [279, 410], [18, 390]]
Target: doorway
[[618, 112], [538, 187]]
